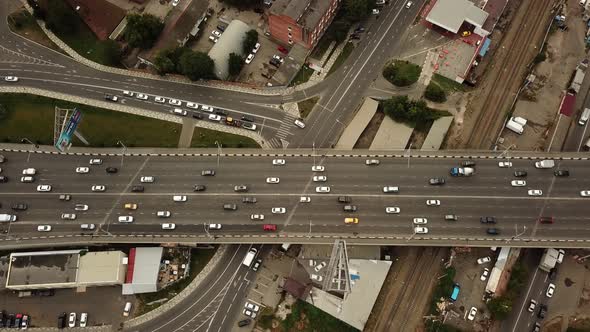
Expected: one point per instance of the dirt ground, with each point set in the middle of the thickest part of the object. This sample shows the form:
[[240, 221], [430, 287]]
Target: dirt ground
[[367, 136], [405, 294]]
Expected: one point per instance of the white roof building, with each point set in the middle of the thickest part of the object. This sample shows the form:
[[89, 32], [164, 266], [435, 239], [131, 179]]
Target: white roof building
[[229, 42], [142, 271], [450, 15]]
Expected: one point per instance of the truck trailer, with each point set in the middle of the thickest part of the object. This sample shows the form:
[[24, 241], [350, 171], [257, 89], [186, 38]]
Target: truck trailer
[[549, 259]]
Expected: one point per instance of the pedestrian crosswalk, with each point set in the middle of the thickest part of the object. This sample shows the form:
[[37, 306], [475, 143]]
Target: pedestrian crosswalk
[[284, 130]]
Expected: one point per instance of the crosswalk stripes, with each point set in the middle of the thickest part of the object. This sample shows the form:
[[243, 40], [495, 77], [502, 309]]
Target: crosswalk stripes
[[275, 143], [286, 124]]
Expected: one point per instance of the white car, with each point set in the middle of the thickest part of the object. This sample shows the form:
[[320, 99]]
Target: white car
[[392, 209], [214, 117], [505, 164], [585, 193], [168, 226], [174, 102], [249, 313], [72, 319], [68, 216], [213, 39], [320, 266], [214, 226], [44, 188], [304, 199], [299, 123], [249, 58], [532, 305], [179, 198], [82, 170], [207, 108], [421, 230], [95, 162], [272, 180], [484, 274], [256, 48], [252, 307], [125, 219], [29, 171], [98, 188], [278, 210], [518, 183], [375, 11], [390, 189], [320, 178], [550, 290], [484, 260], [27, 179], [472, 313], [409, 4], [433, 202], [129, 93], [81, 207], [192, 105], [560, 255], [142, 96], [146, 179], [371, 162], [535, 192], [83, 319], [420, 221], [317, 278], [278, 162], [163, 214], [322, 189], [87, 227], [175, 3], [44, 228], [216, 33], [317, 168], [11, 79], [257, 217], [160, 100]]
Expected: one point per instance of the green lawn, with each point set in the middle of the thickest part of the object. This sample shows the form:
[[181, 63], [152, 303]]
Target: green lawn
[[448, 84], [24, 24], [307, 318], [205, 138], [33, 116], [306, 106], [302, 76], [402, 73], [342, 57], [199, 259]]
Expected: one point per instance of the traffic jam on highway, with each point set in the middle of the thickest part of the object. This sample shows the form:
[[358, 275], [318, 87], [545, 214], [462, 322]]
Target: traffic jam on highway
[[126, 209]]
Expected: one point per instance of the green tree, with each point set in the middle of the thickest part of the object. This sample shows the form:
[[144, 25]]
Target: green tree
[[402, 73], [243, 4], [142, 30], [235, 63], [250, 41], [164, 63], [500, 307], [196, 65], [111, 51], [61, 18], [435, 93], [356, 10]]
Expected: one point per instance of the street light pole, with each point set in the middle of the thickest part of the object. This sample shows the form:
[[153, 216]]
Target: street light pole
[[218, 152], [124, 151], [34, 146], [313, 151], [206, 229], [409, 154], [309, 234]]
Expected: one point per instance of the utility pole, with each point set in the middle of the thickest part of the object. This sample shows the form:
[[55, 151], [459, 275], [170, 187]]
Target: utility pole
[[124, 151], [218, 152], [33, 145], [309, 234], [409, 154], [313, 151], [206, 229]]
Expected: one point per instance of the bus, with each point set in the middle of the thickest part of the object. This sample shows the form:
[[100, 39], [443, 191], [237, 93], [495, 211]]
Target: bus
[[455, 292]]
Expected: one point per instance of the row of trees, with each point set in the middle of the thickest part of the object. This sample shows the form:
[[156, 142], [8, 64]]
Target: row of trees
[[402, 73], [351, 12], [183, 60], [412, 112], [143, 30]]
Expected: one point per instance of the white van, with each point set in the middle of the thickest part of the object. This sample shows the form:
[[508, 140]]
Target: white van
[[179, 111], [127, 309], [249, 258], [285, 247], [584, 117], [515, 127], [7, 217]]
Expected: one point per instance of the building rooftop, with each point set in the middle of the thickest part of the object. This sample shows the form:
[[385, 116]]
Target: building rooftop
[[43, 267], [101, 16], [306, 13], [101, 266], [391, 135], [229, 42], [450, 14], [321, 251], [437, 133], [143, 268]]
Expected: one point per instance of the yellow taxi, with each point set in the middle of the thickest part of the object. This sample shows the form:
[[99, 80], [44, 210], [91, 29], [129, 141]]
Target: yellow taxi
[[131, 206], [351, 220]]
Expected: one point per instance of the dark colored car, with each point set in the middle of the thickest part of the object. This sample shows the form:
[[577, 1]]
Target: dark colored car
[[137, 189], [19, 206], [283, 50], [221, 28], [520, 174], [10, 320], [537, 327], [45, 292], [546, 220], [274, 62], [197, 115], [112, 170], [493, 231], [244, 322], [221, 112], [542, 311], [487, 220], [111, 98], [436, 181], [3, 178], [562, 172], [208, 172], [354, 36], [230, 207], [61, 320], [349, 208], [65, 197], [249, 200], [269, 227], [199, 187], [359, 29], [344, 199], [245, 118], [468, 163], [552, 273]]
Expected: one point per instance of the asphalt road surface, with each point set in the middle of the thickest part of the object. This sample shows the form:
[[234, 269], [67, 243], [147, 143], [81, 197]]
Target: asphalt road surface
[[488, 193]]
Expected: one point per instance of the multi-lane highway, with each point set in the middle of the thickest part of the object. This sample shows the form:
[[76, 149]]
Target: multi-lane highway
[[488, 193]]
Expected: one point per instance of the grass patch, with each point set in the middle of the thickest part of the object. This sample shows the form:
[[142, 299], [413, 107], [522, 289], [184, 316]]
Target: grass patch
[[199, 258], [402, 73], [33, 116], [342, 57], [84, 42], [24, 24], [205, 138], [302, 76], [306, 106], [307, 318], [322, 46], [448, 84]]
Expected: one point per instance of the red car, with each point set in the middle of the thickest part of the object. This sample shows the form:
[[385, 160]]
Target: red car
[[269, 227], [283, 50]]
